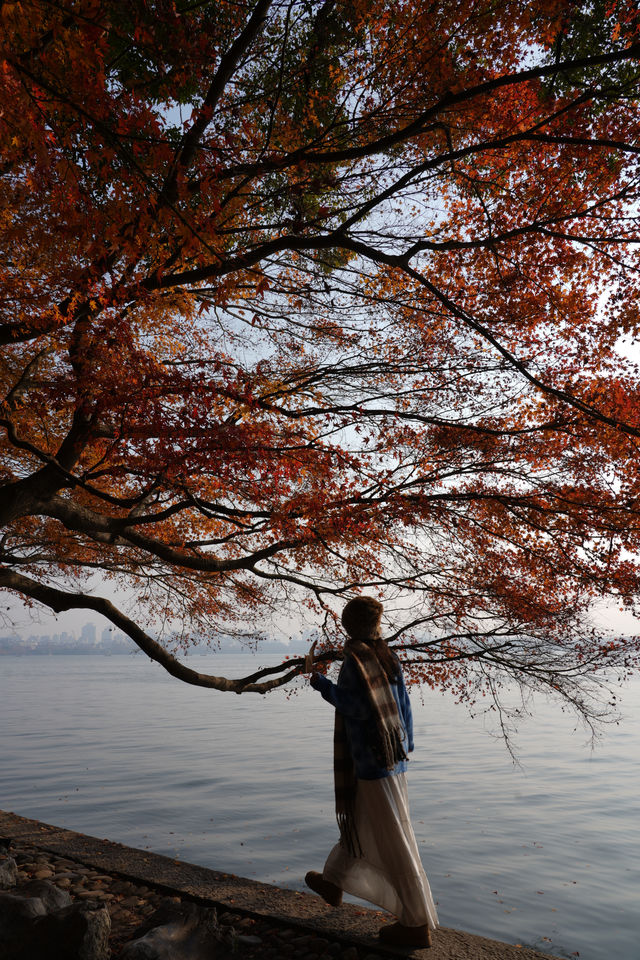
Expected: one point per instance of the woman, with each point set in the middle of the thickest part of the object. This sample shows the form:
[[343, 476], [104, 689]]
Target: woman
[[377, 857]]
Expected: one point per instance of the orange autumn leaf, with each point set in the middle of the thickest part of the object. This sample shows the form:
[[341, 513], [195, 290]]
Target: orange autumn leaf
[[290, 313]]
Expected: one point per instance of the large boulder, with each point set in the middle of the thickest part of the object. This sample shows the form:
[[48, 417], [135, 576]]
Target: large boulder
[[177, 932], [79, 931], [18, 916], [76, 931]]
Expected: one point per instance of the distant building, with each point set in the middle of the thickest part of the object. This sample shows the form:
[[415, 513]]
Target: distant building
[[88, 634]]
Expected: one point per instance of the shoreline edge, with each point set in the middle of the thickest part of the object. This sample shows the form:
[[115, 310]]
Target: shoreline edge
[[351, 924]]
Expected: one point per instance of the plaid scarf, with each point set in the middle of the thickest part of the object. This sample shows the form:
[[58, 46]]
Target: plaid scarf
[[385, 739]]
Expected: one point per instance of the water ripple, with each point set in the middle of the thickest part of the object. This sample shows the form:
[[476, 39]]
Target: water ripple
[[545, 855]]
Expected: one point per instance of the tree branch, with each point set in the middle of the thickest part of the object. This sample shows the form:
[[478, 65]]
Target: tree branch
[[59, 600]]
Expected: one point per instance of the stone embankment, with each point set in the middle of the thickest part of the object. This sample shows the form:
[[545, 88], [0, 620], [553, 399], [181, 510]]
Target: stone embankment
[[132, 906], [192, 912]]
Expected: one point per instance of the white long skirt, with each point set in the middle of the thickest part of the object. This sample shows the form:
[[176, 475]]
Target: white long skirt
[[389, 873]]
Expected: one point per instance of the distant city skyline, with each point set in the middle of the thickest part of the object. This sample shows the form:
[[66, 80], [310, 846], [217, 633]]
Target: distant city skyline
[[36, 620], [111, 640], [87, 641], [17, 620]]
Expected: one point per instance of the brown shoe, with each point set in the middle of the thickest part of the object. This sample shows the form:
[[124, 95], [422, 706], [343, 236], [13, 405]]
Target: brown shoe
[[399, 936], [328, 891]]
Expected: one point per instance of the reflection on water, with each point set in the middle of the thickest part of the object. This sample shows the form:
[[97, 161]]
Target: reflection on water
[[545, 855]]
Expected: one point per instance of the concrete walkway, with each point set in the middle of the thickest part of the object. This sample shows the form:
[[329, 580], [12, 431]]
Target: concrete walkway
[[350, 924]]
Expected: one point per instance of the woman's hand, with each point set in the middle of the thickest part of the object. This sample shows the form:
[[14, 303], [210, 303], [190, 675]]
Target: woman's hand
[[314, 680], [308, 660]]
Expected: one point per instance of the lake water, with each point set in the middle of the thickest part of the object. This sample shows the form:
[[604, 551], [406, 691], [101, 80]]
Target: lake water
[[546, 854]]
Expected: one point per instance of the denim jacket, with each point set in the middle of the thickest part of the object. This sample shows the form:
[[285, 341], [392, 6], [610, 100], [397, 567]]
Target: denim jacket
[[349, 697]]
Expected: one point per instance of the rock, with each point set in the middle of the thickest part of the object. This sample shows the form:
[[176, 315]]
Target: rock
[[17, 922], [12, 905], [8, 873], [169, 912], [122, 886], [350, 953], [177, 932], [70, 931], [130, 902], [175, 941], [157, 944], [319, 945], [51, 896], [77, 932]]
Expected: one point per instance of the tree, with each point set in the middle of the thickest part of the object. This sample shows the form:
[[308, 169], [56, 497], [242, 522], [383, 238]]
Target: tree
[[306, 298]]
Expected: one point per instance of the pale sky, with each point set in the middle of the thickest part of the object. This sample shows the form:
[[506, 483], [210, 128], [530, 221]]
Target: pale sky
[[38, 621]]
